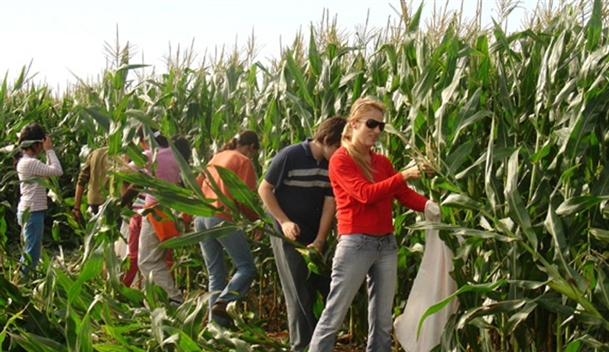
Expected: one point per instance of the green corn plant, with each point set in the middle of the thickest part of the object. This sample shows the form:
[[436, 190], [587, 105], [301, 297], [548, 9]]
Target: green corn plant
[[514, 125]]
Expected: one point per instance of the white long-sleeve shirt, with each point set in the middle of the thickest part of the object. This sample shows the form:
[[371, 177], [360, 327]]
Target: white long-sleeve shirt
[[33, 195]]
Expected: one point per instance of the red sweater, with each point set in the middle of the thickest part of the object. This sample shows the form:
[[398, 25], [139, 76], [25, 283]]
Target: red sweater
[[364, 207]]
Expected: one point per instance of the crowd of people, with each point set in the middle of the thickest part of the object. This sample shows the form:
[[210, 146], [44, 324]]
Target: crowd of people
[[334, 177]]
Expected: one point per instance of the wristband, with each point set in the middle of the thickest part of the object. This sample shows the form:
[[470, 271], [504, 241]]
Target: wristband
[[320, 241]]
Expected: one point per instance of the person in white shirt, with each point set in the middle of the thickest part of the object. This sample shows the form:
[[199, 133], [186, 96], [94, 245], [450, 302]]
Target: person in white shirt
[[32, 207]]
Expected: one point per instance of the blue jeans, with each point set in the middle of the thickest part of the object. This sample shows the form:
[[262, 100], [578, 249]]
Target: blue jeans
[[238, 249], [32, 230], [358, 257]]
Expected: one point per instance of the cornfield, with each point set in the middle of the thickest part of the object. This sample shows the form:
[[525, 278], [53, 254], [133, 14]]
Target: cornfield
[[515, 125]]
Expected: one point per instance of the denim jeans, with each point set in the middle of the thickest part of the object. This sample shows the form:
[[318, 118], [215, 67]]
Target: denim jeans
[[238, 249], [358, 257], [300, 288], [33, 231]]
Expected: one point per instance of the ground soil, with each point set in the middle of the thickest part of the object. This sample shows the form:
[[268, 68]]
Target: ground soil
[[342, 344]]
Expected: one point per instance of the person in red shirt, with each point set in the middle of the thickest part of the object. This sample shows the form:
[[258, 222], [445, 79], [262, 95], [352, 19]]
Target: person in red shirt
[[235, 156], [365, 185]]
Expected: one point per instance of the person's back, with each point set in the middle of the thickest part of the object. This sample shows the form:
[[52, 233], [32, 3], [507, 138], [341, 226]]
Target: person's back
[[152, 257], [236, 157], [234, 161], [98, 182], [94, 175]]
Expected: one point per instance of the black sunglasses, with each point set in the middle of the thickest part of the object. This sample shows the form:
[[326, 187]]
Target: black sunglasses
[[372, 124]]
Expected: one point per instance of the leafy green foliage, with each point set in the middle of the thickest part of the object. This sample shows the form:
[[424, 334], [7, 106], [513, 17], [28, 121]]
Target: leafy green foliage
[[515, 126]]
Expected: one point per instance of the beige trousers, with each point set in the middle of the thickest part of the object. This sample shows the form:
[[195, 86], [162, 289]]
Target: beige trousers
[[151, 260]]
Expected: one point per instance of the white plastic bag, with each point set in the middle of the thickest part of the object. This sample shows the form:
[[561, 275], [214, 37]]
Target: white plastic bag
[[431, 285]]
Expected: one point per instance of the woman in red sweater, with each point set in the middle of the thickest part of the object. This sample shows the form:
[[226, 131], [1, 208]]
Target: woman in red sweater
[[365, 185]]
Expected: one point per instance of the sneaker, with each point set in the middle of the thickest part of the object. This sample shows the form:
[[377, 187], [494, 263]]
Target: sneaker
[[219, 310]]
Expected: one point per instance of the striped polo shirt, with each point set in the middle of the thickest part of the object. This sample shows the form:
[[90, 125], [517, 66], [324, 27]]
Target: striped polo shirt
[[301, 183]]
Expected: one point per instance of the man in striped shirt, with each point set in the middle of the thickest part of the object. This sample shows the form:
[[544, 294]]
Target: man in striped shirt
[[297, 193]]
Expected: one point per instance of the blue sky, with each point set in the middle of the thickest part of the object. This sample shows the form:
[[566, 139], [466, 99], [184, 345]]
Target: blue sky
[[67, 37]]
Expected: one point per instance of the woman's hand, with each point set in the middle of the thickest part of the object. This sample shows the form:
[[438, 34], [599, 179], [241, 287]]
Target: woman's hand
[[415, 172], [47, 143], [432, 211]]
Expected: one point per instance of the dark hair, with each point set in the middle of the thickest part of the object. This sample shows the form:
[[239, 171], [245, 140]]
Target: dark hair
[[158, 137], [247, 137], [330, 130], [182, 146], [29, 136]]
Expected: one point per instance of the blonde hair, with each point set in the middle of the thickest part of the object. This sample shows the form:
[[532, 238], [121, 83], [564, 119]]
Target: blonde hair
[[358, 109]]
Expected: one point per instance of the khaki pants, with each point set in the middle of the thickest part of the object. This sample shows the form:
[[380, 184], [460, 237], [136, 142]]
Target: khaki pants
[[151, 259]]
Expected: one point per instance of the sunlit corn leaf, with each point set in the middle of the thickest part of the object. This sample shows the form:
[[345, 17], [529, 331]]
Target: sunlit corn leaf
[[595, 26], [8, 322], [102, 119], [226, 200], [581, 132], [224, 229], [462, 201], [136, 156], [84, 341], [186, 174], [239, 190], [589, 341], [461, 231], [601, 291], [590, 313], [14, 302], [92, 267], [120, 334], [179, 340], [113, 348], [170, 195], [225, 337], [479, 288], [300, 80], [517, 208], [561, 255], [555, 305], [526, 284], [159, 322], [191, 318], [31, 342], [580, 203], [314, 59], [520, 316], [573, 346], [600, 234]]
